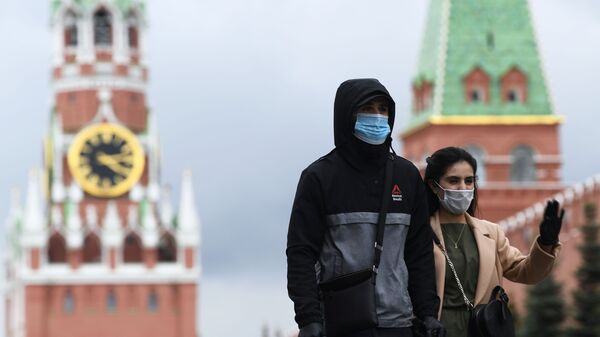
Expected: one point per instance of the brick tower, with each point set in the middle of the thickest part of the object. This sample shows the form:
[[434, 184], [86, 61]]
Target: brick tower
[[480, 85], [97, 249]]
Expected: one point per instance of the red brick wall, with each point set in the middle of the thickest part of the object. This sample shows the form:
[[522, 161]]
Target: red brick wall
[[130, 109], [175, 315], [76, 108]]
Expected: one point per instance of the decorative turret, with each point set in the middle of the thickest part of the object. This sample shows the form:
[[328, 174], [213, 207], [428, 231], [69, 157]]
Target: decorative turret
[[188, 223], [34, 222], [74, 230], [149, 226], [112, 233]]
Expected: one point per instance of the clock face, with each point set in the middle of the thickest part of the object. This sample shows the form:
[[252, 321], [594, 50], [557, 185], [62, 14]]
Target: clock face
[[106, 160]]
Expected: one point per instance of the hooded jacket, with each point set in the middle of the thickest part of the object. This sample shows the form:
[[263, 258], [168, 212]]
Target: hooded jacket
[[334, 221]]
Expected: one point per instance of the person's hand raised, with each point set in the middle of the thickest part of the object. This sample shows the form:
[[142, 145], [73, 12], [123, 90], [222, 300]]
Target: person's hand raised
[[551, 223]]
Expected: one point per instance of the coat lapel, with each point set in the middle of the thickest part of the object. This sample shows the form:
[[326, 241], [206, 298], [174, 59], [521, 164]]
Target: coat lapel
[[487, 257]]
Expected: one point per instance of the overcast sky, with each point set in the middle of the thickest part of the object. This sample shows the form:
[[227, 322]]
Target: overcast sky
[[244, 90]]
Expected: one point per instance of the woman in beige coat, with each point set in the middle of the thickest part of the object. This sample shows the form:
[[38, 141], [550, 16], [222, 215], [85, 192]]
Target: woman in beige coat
[[479, 249]]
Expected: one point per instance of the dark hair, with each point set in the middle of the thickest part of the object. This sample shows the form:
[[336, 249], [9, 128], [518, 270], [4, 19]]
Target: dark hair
[[437, 166]]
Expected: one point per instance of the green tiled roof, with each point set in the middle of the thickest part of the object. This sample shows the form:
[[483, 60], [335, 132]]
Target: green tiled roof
[[495, 35], [123, 5]]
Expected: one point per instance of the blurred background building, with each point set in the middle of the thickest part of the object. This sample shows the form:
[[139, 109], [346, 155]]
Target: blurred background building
[[98, 249], [480, 85]]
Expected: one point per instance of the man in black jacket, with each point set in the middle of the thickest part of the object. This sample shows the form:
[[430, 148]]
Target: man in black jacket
[[334, 218]]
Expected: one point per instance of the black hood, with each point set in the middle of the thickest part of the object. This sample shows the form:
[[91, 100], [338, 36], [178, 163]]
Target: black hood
[[350, 95]]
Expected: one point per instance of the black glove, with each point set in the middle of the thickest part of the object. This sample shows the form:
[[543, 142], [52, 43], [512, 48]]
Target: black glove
[[311, 330], [433, 327], [550, 225]]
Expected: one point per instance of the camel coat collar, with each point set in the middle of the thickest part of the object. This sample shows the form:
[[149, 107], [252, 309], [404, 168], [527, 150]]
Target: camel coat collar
[[487, 257]]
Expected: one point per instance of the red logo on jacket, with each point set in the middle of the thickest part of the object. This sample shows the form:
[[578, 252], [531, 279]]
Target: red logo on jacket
[[396, 193]]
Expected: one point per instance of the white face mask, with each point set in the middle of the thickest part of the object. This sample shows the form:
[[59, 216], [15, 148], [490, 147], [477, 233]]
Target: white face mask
[[456, 201]]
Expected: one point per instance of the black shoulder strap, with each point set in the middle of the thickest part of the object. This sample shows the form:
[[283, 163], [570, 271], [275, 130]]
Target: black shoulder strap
[[385, 201]]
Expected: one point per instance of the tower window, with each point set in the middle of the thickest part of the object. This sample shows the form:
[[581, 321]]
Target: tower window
[[490, 40], [132, 30], [68, 303], [514, 86], [422, 96], [133, 37], [479, 155], [70, 29], [152, 301], [102, 28], [522, 169], [91, 249], [477, 86], [167, 249], [132, 249], [475, 96], [111, 301], [57, 250], [512, 96]]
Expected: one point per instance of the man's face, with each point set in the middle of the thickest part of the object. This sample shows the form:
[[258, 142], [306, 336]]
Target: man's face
[[378, 105]]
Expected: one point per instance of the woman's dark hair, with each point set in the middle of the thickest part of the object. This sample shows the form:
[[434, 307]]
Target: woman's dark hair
[[437, 166]]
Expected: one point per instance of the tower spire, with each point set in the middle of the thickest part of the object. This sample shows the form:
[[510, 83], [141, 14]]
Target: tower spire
[[34, 224], [188, 223]]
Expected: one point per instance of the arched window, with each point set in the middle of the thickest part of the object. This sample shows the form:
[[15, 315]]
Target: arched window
[[91, 249], [111, 301], [133, 30], [477, 86], [479, 156], [132, 249], [422, 96], [57, 249], [102, 28], [514, 86], [522, 168], [167, 248], [152, 301], [70, 29], [68, 302]]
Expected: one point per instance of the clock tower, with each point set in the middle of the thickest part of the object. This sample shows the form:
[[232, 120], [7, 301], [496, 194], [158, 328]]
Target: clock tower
[[98, 249]]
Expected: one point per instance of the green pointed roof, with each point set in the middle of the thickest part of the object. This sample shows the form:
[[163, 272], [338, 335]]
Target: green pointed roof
[[123, 5], [495, 35]]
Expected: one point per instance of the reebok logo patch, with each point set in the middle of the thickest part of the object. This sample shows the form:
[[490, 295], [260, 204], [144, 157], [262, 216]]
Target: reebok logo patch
[[396, 193]]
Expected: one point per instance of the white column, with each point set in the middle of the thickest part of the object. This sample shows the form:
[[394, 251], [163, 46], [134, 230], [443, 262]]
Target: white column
[[74, 229], [58, 49], [86, 53], [149, 227], [120, 45]]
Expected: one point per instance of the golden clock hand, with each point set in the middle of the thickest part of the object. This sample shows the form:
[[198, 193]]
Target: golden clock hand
[[118, 157], [112, 164]]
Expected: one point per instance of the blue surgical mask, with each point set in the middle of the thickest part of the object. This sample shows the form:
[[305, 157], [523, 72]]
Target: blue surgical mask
[[372, 128]]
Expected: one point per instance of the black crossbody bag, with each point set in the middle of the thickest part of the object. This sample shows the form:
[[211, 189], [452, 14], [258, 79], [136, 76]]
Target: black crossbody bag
[[349, 303], [493, 319]]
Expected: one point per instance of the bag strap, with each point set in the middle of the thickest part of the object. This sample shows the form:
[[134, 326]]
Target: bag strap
[[469, 304], [385, 201]]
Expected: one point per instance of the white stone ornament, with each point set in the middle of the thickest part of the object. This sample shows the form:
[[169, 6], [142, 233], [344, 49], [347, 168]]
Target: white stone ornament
[[75, 192]]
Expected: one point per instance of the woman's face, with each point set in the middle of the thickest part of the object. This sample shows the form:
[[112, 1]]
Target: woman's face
[[459, 176]]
